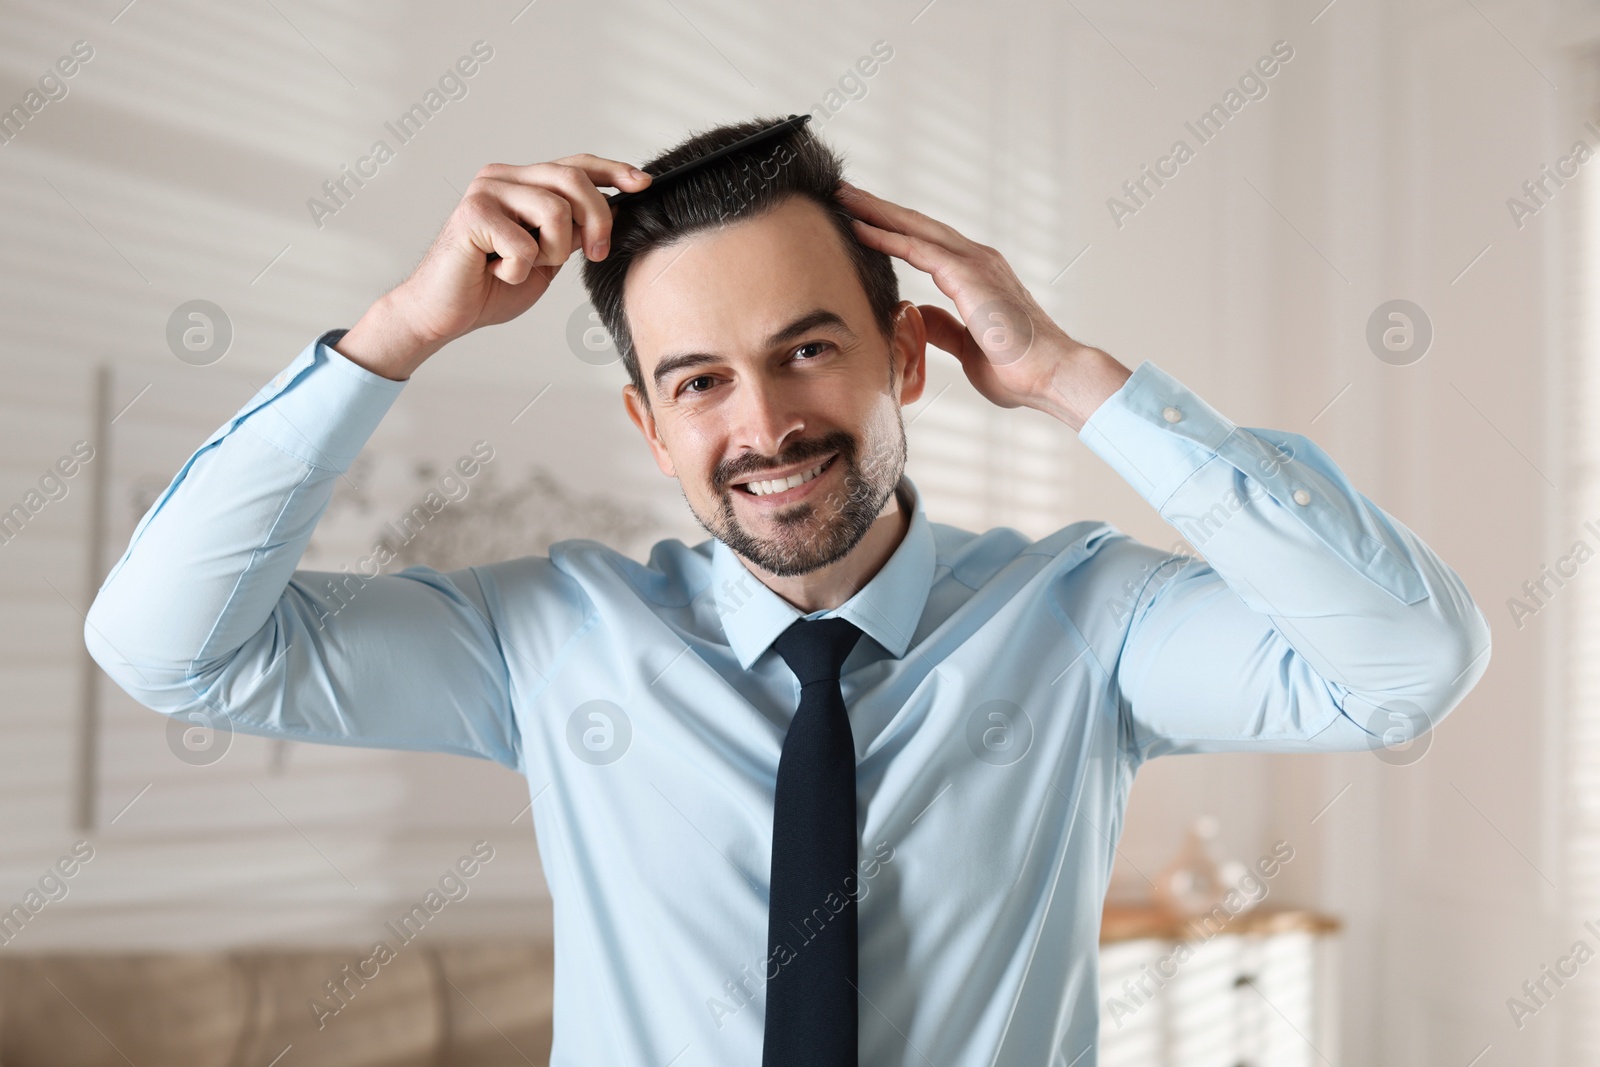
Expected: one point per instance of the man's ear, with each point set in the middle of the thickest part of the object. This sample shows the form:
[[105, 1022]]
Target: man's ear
[[909, 350], [643, 418]]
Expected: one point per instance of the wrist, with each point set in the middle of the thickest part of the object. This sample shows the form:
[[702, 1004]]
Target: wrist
[[1083, 379], [385, 342]]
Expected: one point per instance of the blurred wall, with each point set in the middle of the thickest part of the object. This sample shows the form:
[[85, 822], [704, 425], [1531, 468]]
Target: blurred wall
[[1374, 165]]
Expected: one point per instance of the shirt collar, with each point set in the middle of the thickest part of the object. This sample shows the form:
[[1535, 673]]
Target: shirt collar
[[887, 608]]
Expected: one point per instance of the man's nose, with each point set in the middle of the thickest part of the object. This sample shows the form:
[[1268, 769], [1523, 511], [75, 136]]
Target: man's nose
[[763, 419]]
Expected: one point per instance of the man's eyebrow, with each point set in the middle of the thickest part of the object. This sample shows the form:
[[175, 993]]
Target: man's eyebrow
[[676, 363], [815, 319]]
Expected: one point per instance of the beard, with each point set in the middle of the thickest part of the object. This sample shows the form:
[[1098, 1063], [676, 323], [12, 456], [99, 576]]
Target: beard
[[815, 532]]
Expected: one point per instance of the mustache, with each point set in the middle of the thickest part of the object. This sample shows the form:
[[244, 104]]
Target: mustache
[[748, 464]]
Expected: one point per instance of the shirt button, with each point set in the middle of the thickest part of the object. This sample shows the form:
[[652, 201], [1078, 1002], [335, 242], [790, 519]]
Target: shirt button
[[1302, 497], [1171, 414]]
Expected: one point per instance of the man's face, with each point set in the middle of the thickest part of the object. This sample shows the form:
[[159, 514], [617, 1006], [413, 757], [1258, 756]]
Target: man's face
[[763, 362]]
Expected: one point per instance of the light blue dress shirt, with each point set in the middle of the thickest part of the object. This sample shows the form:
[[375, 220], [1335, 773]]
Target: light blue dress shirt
[[1004, 694]]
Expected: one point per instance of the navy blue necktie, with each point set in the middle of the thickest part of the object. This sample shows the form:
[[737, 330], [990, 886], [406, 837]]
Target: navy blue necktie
[[811, 1003]]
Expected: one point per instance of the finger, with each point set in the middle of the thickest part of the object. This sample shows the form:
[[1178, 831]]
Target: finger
[[493, 232], [612, 173], [927, 256], [944, 329], [887, 215], [546, 212], [577, 177], [554, 214]]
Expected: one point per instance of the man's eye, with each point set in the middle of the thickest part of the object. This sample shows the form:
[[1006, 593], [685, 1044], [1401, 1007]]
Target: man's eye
[[813, 344], [699, 378]]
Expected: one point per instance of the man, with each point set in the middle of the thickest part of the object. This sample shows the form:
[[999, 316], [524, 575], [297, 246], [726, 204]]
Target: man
[[839, 780]]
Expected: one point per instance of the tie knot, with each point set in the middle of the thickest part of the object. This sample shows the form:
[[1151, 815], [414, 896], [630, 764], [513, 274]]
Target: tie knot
[[815, 649]]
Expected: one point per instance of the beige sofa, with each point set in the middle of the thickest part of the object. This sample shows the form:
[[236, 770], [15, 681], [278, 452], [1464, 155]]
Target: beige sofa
[[467, 1004]]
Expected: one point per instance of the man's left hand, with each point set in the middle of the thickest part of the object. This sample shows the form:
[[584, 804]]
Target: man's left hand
[[1011, 351]]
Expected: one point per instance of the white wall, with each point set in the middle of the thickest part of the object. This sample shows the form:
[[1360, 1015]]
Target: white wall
[[1377, 167]]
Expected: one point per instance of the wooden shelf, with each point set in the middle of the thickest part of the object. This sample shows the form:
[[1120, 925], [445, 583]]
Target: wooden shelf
[[1124, 922]]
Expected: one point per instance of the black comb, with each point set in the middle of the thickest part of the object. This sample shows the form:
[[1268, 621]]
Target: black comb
[[793, 122]]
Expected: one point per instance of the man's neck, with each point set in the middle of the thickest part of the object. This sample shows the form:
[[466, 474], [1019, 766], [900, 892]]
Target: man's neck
[[828, 587]]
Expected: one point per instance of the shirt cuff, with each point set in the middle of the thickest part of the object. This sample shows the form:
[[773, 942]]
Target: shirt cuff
[[1155, 433], [1158, 435], [321, 408]]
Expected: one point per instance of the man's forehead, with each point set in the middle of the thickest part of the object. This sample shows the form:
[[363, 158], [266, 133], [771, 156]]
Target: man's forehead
[[738, 284]]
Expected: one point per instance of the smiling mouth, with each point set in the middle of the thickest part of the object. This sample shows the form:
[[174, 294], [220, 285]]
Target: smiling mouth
[[767, 487]]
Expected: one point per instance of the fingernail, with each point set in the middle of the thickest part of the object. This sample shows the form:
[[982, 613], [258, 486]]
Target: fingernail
[[600, 247], [637, 174]]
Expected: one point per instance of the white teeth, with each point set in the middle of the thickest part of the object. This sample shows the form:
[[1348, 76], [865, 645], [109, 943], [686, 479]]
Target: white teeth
[[778, 485]]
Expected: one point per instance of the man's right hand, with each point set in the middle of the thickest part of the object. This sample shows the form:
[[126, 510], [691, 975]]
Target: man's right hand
[[457, 288]]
